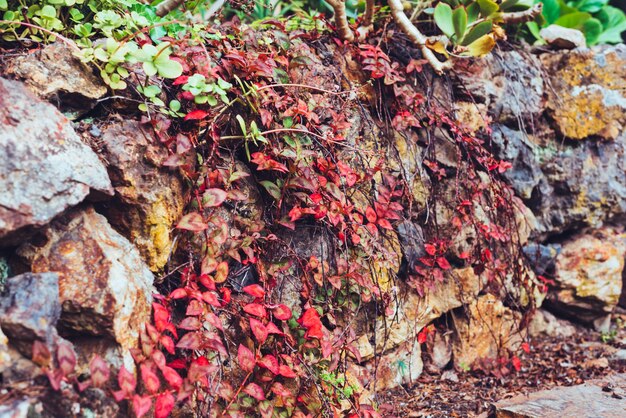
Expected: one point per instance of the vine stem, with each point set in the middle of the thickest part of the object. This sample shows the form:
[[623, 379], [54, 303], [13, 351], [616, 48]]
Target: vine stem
[[238, 390], [61, 37]]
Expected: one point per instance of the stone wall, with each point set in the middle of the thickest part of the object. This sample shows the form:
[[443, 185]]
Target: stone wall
[[88, 211]]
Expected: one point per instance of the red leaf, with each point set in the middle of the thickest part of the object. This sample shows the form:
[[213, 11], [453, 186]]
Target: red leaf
[[255, 391], [214, 320], [173, 379], [282, 312], [443, 263], [180, 80], [168, 344], [526, 348], [259, 330], [245, 358], [196, 114], [270, 363], [517, 363], [178, 294], [267, 163], [384, 223], [100, 372], [256, 310], [370, 214], [254, 290], [126, 381], [149, 378], [286, 371], [66, 358], [213, 197], [192, 222], [221, 273], [141, 405], [273, 329], [190, 323], [422, 336], [310, 320], [190, 341], [163, 405]]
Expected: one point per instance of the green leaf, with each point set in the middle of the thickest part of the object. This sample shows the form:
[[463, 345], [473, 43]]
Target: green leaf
[[478, 31], [592, 28], [3, 5], [168, 68], [459, 18], [508, 4], [443, 19], [151, 91], [487, 7], [534, 29], [48, 11], [551, 10], [481, 46], [613, 22], [473, 10], [591, 6], [272, 189], [175, 105], [573, 20], [149, 68]]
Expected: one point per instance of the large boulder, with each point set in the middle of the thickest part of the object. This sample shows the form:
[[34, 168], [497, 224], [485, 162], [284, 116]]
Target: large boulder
[[55, 74], [588, 278], [148, 196], [45, 167], [104, 287], [587, 96]]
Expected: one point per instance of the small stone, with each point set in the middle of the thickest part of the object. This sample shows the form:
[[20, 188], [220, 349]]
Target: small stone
[[563, 38], [543, 322], [450, 375]]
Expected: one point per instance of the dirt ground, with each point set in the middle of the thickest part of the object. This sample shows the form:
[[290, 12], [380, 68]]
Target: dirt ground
[[551, 362]]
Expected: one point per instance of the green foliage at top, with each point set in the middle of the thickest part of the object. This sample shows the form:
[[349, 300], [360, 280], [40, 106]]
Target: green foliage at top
[[596, 19]]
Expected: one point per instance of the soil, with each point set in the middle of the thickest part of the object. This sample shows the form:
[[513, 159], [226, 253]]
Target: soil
[[552, 361]]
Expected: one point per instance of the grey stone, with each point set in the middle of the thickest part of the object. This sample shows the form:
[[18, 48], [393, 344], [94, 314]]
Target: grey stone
[[45, 167], [30, 309], [563, 38], [597, 398]]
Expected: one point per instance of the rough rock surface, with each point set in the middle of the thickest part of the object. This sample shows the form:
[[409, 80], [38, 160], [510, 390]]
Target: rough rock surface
[[589, 275], [45, 167], [587, 96], [544, 323], [596, 398], [148, 197], [489, 328], [54, 74], [104, 287], [30, 310], [509, 84]]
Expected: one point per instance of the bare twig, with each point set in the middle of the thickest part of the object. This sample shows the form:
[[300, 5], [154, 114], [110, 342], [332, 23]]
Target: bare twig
[[167, 6], [397, 11], [523, 16], [341, 20]]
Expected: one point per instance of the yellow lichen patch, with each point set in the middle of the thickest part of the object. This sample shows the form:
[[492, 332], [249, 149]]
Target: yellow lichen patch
[[157, 223], [471, 116], [586, 94]]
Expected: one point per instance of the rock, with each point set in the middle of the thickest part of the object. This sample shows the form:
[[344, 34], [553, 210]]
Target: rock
[[596, 398], [22, 408], [413, 312], [46, 168], [563, 38], [54, 74], [542, 258], [401, 366], [149, 198], [30, 310], [411, 241], [440, 350], [544, 323], [489, 328], [450, 375], [517, 148], [509, 84], [588, 277], [587, 96], [5, 357], [104, 287]]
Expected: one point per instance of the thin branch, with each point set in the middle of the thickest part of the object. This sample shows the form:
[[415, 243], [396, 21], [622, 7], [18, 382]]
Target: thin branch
[[341, 20], [167, 6], [523, 16], [397, 10]]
